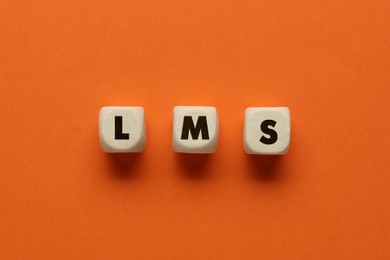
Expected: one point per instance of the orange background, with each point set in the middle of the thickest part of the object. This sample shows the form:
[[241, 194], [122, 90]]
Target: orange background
[[62, 197]]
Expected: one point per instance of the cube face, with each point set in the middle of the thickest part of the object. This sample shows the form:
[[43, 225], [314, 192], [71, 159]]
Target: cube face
[[122, 129], [195, 129], [267, 130]]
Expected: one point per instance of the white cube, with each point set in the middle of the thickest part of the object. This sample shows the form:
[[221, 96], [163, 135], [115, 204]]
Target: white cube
[[267, 130], [122, 129], [195, 129]]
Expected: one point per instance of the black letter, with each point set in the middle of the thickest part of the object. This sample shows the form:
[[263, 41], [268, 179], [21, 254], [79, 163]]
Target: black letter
[[273, 136], [118, 129], [188, 126]]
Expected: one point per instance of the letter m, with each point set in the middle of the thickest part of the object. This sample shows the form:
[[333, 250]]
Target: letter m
[[201, 127]]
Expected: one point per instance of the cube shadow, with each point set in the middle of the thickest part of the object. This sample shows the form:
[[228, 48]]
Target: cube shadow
[[124, 165], [266, 167], [193, 166]]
